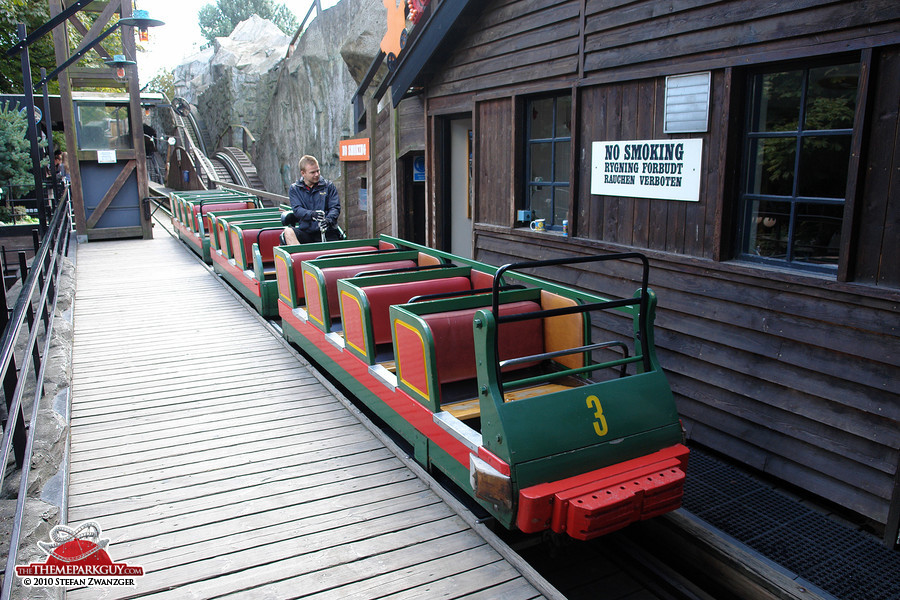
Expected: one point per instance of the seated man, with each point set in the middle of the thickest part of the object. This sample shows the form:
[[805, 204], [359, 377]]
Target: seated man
[[315, 207]]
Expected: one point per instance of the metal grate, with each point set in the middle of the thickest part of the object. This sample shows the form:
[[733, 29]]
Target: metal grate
[[842, 561]]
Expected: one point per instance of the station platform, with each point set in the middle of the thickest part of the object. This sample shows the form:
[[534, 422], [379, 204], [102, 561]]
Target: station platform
[[213, 457]]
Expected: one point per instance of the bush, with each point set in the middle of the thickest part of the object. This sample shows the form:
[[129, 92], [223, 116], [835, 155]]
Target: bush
[[15, 150]]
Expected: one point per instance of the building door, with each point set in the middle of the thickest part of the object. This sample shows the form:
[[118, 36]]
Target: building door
[[458, 202], [412, 198]]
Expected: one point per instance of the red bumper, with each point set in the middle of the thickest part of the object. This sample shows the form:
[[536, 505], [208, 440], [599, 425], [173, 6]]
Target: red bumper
[[593, 504]]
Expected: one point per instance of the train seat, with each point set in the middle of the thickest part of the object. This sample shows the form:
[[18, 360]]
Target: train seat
[[297, 259], [435, 351], [381, 297], [332, 274], [242, 241], [203, 209], [455, 347]]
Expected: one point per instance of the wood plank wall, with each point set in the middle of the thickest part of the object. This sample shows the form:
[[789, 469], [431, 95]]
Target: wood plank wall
[[795, 380], [356, 220], [380, 190], [879, 208], [795, 375], [633, 111]]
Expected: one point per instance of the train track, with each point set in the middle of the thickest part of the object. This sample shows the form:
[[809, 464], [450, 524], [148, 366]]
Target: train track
[[228, 164]]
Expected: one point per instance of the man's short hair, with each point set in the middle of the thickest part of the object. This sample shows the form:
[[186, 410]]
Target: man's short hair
[[307, 160]]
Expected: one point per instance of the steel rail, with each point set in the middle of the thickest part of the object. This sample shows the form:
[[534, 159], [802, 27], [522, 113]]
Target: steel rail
[[46, 263]]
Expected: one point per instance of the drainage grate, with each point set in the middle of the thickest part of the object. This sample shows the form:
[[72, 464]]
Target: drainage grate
[[844, 562]]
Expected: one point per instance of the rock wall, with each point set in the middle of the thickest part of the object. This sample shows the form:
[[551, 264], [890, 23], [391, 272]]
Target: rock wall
[[293, 106], [232, 82], [311, 109]]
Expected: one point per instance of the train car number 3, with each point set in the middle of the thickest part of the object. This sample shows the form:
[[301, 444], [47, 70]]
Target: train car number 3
[[600, 421]]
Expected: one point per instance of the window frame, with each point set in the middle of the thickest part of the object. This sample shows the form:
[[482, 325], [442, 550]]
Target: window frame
[[553, 140], [748, 162]]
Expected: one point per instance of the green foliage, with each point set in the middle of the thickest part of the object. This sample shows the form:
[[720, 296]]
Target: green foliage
[[15, 151], [112, 44], [59, 140], [163, 82], [33, 13], [220, 19], [15, 215]]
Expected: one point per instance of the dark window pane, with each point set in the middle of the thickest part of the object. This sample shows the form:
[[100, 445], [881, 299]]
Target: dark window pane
[[542, 119], [777, 101], [561, 166], [560, 205], [817, 233], [771, 170], [824, 161], [769, 228], [540, 197], [831, 97], [541, 162], [103, 126], [563, 116]]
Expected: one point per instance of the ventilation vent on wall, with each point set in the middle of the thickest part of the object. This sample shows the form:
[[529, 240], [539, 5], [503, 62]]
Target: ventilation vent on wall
[[687, 103]]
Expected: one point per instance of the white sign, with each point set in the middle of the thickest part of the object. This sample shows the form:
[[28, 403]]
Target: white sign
[[661, 169], [106, 156]]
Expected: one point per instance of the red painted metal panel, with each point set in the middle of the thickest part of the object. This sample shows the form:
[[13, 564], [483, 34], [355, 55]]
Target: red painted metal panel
[[593, 504], [411, 356]]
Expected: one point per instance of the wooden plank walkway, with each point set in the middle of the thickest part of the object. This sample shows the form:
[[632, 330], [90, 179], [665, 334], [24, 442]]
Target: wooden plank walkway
[[212, 456]]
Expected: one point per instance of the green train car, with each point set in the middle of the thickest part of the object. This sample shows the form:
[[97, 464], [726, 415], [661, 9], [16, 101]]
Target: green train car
[[493, 376]]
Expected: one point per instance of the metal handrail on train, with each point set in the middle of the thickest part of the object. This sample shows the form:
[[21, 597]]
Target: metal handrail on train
[[462, 293], [42, 278], [641, 301], [557, 353], [405, 270]]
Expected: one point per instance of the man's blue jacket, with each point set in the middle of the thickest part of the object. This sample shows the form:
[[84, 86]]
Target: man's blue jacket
[[305, 201]]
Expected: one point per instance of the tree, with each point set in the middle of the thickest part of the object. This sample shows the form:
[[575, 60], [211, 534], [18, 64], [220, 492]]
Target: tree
[[33, 13], [163, 82], [15, 150], [220, 19]]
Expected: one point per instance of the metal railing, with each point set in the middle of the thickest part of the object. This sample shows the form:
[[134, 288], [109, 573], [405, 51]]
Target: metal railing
[[33, 309], [315, 7]]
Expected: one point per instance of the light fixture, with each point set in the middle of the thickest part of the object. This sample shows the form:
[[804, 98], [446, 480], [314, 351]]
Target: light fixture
[[119, 62], [141, 19]]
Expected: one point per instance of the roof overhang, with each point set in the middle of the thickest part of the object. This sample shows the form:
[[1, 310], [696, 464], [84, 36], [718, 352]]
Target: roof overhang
[[428, 44]]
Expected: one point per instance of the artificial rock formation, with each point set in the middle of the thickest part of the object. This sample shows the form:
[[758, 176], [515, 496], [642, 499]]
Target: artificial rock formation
[[232, 82], [295, 105]]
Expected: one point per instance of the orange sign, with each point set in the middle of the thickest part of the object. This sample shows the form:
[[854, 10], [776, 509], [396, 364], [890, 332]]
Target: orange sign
[[354, 149], [396, 22]]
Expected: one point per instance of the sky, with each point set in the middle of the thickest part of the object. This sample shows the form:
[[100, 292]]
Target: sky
[[180, 36]]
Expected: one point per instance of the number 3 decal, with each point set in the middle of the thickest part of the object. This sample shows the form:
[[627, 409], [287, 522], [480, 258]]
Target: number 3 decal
[[600, 424]]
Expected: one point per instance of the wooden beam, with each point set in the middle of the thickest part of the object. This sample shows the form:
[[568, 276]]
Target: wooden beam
[[61, 48], [84, 32], [100, 24], [111, 194]]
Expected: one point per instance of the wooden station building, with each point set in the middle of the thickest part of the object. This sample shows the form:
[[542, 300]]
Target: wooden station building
[[750, 149]]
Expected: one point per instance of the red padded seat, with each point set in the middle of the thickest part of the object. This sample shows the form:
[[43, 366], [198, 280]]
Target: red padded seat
[[454, 343], [332, 274], [298, 257], [381, 297], [222, 206], [268, 239]]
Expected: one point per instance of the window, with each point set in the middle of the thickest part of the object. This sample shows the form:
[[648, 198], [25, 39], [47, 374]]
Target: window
[[796, 159], [548, 133], [103, 125]]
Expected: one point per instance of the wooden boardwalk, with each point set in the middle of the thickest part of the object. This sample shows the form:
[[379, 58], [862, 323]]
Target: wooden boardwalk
[[213, 457]]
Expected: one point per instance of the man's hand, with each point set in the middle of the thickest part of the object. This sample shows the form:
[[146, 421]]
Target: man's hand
[[318, 215]]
